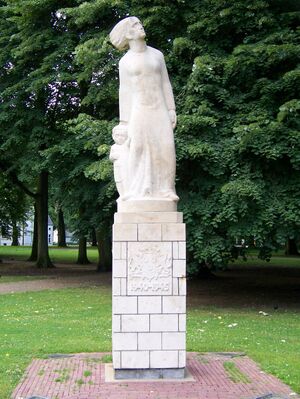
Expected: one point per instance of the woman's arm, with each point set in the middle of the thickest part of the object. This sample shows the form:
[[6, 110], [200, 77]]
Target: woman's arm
[[124, 94], [168, 93]]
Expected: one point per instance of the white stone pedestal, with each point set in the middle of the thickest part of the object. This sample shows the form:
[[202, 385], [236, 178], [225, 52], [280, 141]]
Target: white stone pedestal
[[149, 295]]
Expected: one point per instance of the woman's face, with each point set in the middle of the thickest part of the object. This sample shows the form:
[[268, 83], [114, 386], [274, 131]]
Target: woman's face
[[136, 30]]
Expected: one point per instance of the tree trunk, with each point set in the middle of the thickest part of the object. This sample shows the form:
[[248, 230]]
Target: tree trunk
[[61, 229], [43, 259], [82, 252], [15, 234], [33, 256], [291, 247], [104, 252], [204, 272], [93, 237]]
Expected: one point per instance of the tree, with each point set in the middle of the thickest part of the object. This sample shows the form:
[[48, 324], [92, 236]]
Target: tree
[[291, 247], [37, 91], [13, 209], [233, 66], [34, 248], [61, 229], [57, 215], [234, 72], [85, 170], [238, 128], [87, 190]]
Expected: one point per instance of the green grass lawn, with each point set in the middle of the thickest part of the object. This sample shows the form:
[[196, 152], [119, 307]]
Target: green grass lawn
[[272, 341], [79, 320], [69, 255], [61, 255]]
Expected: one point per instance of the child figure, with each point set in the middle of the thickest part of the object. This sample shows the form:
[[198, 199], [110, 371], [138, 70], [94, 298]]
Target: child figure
[[119, 156]]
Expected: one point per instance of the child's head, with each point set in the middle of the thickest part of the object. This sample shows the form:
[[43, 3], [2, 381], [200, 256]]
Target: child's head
[[119, 135]]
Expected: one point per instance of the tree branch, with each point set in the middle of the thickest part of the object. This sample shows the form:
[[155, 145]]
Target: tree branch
[[14, 178], [22, 186]]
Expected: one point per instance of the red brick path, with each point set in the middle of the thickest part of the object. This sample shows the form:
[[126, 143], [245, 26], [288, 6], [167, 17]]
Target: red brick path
[[82, 377]]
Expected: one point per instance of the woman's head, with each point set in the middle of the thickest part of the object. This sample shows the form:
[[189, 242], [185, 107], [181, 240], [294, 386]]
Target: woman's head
[[129, 28]]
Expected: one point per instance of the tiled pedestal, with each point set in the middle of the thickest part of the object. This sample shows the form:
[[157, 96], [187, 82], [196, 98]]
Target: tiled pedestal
[[149, 295]]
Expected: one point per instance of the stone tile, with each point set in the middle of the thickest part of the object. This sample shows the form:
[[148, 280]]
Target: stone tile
[[116, 286], [116, 250], [182, 286], [124, 305], [175, 286], [175, 250], [149, 232], [119, 268], [149, 341], [123, 250], [163, 322], [163, 359], [149, 304], [116, 323], [179, 268], [174, 304], [116, 355], [173, 340], [135, 323], [182, 322], [182, 359], [182, 250], [173, 232], [125, 232], [123, 286], [124, 341], [135, 359], [148, 217]]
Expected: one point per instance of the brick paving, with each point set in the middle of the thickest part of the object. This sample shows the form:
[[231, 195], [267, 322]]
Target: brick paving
[[82, 376]]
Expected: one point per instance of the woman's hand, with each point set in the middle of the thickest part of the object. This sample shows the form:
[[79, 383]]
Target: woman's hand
[[173, 117]]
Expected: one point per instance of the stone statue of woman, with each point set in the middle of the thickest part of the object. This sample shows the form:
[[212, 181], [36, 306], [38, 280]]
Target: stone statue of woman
[[147, 118]]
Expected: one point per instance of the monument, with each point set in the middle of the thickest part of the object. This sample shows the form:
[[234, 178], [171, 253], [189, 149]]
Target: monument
[[149, 266]]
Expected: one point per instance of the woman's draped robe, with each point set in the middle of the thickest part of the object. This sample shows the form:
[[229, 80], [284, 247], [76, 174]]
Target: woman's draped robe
[[145, 101]]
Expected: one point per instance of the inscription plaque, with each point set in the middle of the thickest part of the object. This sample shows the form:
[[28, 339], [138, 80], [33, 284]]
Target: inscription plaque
[[149, 268]]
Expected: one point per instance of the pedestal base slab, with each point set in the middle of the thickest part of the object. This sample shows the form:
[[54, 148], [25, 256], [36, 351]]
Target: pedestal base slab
[[151, 205], [149, 374]]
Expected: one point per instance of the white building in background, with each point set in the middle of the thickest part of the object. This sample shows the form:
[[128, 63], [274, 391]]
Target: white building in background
[[70, 239], [26, 233], [50, 231]]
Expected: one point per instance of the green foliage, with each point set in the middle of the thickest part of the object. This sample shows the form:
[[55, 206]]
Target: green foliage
[[37, 87], [83, 179], [238, 129], [13, 206], [234, 67]]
